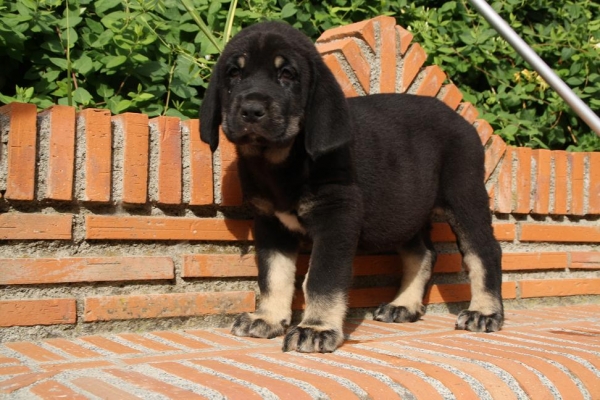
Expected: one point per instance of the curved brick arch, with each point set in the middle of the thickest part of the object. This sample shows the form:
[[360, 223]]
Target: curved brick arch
[[378, 56]]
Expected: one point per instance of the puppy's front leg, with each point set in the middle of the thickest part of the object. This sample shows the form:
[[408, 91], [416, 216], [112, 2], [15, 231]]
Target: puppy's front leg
[[334, 227], [276, 249]]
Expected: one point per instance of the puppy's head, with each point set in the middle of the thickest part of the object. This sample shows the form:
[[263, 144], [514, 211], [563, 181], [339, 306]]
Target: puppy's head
[[269, 87]]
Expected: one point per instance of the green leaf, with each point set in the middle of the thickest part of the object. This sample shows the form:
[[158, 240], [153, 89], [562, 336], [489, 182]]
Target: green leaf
[[83, 65], [114, 61], [105, 91], [82, 96], [288, 10], [59, 62]]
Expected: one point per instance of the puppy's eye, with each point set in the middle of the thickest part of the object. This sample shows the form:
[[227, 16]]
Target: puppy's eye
[[287, 74], [234, 72]]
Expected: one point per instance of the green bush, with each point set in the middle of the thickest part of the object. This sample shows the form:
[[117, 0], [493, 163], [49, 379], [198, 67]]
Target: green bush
[[153, 56]]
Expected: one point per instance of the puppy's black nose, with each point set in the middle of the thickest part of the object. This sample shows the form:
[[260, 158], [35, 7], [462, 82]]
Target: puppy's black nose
[[253, 110]]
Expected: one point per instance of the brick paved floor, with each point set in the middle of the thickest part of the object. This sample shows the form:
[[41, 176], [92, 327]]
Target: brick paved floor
[[546, 353]]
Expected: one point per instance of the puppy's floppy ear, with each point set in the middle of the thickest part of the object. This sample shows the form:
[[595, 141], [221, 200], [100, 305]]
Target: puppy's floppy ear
[[210, 111], [327, 118]]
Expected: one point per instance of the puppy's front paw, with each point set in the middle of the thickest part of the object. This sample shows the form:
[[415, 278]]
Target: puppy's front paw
[[475, 321], [253, 325], [312, 339], [390, 313]]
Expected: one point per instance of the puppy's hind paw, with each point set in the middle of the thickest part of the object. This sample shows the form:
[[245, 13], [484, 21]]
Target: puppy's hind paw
[[475, 321], [248, 324], [390, 313], [312, 340]]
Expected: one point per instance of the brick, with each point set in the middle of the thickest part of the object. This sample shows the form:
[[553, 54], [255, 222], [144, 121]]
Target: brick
[[27, 271], [102, 389], [459, 292], [450, 95], [541, 196], [72, 348], [166, 305], [529, 381], [585, 260], [411, 65], [577, 182], [154, 385], [20, 381], [369, 384], [37, 312], [504, 192], [109, 345], [95, 124], [148, 343], [21, 151], [354, 56], [401, 373], [559, 287], [405, 38], [549, 364], [559, 233], [14, 370], [493, 154], [523, 188], [387, 55], [534, 261], [495, 386], [182, 340], [21, 226], [280, 388], [136, 142], [340, 75], [61, 153], [443, 293], [53, 390], [484, 129], [560, 182], [34, 352], [431, 82], [468, 112], [219, 266], [169, 159], [594, 189], [446, 263], [441, 232], [231, 189], [364, 30], [227, 388], [166, 228], [201, 167]]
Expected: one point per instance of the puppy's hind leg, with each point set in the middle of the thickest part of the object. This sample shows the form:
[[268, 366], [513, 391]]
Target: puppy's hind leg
[[418, 258], [276, 257], [470, 219]]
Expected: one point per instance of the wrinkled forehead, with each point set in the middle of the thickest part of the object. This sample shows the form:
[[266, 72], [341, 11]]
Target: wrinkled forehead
[[261, 49]]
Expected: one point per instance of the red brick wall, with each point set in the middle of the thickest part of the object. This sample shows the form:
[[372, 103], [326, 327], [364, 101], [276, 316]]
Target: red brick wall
[[105, 219]]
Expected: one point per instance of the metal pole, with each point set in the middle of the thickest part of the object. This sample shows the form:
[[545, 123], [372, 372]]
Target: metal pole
[[538, 64]]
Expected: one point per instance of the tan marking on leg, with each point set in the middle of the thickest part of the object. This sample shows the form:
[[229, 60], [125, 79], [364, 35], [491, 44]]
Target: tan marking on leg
[[262, 205], [276, 305], [330, 310], [481, 299], [416, 271], [290, 221]]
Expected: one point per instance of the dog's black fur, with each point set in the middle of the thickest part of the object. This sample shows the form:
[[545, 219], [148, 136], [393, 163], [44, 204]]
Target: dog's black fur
[[365, 171]]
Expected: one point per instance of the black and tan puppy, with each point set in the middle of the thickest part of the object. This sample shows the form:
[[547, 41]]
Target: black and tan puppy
[[365, 171]]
